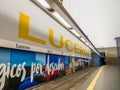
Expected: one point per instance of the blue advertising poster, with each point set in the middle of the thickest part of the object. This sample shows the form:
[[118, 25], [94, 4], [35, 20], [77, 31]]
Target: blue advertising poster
[[57, 60], [25, 69], [22, 67], [66, 61], [20, 56], [4, 55], [55, 66], [40, 58], [97, 60]]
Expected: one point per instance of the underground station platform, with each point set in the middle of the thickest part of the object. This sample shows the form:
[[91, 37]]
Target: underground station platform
[[105, 77]]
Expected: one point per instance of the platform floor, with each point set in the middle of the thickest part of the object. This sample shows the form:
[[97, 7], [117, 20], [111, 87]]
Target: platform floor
[[67, 82], [101, 78], [108, 79]]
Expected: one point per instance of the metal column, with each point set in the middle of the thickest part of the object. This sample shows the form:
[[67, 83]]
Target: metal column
[[118, 49]]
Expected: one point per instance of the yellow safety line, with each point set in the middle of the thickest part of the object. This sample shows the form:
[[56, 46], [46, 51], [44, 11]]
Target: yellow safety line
[[92, 84]]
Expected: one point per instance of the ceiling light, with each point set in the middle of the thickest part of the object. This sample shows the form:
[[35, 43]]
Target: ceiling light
[[61, 19], [73, 31], [44, 4], [87, 43], [91, 47], [82, 39]]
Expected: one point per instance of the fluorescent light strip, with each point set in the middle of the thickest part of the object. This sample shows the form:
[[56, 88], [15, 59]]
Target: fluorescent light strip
[[61, 19], [44, 4], [87, 43], [82, 39], [73, 31], [91, 47]]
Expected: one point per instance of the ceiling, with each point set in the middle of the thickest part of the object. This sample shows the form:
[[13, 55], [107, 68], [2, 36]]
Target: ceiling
[[98, 19]]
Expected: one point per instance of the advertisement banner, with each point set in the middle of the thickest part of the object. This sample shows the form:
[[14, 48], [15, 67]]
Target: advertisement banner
[[23, 25], [21, 69]]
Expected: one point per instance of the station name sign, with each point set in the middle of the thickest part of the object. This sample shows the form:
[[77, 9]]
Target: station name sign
[[68, 44]]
